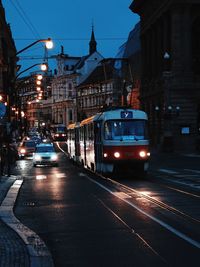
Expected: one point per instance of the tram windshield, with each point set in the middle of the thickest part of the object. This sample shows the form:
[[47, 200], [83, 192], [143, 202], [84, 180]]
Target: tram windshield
[[125, 130]]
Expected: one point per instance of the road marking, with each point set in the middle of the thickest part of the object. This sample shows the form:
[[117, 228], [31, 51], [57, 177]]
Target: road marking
[[191, 155], [190, 170], [167, 171], [186, 175], [163, 224]]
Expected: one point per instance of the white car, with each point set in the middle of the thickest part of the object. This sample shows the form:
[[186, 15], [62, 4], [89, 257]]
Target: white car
[[45, 155]]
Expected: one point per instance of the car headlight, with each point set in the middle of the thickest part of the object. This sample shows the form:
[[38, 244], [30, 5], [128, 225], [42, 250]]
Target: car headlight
[[54, 157], [22, 151], [37, 157]]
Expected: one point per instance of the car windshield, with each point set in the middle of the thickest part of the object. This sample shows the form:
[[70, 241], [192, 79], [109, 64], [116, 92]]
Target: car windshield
[[29, 144], [45, 149], [125, 129]]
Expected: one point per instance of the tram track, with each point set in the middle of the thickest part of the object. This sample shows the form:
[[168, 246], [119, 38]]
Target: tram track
[[130, 190], [134, 194], [131, 230]]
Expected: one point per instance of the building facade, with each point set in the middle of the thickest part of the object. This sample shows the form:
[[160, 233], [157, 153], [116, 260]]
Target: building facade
[[7, 67], [170, 76], [71, 72]]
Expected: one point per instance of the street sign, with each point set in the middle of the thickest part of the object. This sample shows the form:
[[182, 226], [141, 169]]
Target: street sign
[[2, 109]]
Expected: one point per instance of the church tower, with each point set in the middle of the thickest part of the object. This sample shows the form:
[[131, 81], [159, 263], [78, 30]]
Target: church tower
[[92, 43]]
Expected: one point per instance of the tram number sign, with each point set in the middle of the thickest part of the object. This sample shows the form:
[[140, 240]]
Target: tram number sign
[[126, 114]]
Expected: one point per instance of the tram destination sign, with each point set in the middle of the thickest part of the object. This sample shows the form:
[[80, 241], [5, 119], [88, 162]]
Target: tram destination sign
[[126, 114]]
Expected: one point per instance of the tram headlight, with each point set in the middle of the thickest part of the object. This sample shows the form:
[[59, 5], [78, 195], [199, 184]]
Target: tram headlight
[[143, 154], [117, 155]]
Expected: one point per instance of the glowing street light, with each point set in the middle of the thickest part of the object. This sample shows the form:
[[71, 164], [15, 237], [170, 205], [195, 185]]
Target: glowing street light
[[44, 67], [39, 77], [38, 82], [48, 43]]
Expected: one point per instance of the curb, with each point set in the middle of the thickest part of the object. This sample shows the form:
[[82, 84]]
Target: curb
[[38, 252]]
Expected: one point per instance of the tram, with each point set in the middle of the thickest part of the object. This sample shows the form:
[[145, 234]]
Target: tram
[[112, 140], [58, 132]]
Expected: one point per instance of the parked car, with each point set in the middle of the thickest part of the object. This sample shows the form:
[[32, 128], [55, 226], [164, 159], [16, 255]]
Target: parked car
[[45, 154], [26, 149]]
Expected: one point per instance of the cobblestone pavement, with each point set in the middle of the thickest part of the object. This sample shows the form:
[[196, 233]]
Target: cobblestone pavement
[[13, 252]]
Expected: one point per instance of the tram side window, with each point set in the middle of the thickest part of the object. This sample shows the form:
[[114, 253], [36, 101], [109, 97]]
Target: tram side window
[[90, 131], [73, 135], [108, 131], [97, 131], [87, 132], [82, 133]]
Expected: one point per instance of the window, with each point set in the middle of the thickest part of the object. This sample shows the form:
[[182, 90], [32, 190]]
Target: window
[[125, 130]]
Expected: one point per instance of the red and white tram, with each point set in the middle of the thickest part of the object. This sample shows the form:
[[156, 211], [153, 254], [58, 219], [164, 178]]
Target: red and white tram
[[113, 139]]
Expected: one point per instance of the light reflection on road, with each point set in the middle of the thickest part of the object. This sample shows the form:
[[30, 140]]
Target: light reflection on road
[[41, 177]]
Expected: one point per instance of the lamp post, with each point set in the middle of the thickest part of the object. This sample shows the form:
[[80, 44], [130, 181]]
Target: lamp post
[[48, 44], [169, 110], [43, 68], [18, 99]]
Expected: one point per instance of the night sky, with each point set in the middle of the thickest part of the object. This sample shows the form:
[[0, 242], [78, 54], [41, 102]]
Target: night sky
[[68, 23]]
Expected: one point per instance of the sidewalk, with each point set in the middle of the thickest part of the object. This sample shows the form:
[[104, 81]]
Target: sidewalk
[[13, 252]]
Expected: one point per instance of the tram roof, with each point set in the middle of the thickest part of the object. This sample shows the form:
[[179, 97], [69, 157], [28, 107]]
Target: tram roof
[[73, 125], [116, 114], [88, 120]]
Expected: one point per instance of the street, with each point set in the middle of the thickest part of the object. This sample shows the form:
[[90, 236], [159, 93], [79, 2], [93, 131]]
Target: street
[[89, 220], [99, 133]]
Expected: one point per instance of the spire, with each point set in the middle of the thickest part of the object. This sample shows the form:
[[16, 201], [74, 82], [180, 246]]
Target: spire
[[93, 43]]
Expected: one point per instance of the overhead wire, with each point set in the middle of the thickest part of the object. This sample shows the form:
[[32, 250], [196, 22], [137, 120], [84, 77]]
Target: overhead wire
[[23, 18], [79, 39], [27, 21]]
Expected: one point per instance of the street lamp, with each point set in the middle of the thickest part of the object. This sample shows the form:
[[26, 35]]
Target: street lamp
[[43, 67], [48, 43]]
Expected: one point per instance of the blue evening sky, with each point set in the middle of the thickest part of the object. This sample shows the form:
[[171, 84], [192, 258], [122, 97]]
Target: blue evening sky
[[68, 23]]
